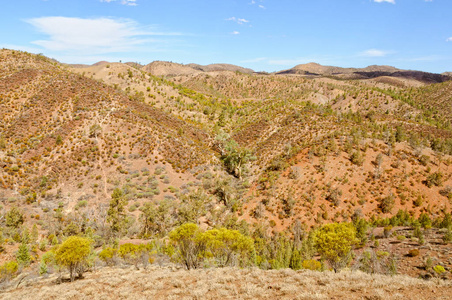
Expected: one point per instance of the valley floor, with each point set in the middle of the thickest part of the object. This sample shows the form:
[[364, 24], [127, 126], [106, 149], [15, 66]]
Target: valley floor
[[229, 283]]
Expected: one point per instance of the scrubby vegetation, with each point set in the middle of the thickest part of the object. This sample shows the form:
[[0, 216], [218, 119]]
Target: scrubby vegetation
[[219, 170]]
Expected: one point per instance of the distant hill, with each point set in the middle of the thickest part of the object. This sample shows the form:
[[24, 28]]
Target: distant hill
[[221, 67], [134, 65], [373, 71], [317, 69], [165, 68]]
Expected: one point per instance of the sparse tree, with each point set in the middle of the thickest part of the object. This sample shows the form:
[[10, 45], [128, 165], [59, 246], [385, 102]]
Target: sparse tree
[[334, 243], [233, 156], [73, 253], [116, 214], [190, 247], [227, 245]]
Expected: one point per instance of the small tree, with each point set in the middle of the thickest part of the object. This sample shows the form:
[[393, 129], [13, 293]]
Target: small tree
[[224, 245], [23, 255], [234, 157], [73, 253], [187, 239], [334, 243], [193, 206], [116, 214]]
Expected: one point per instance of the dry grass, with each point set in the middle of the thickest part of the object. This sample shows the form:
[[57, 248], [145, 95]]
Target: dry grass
[[167, 283]]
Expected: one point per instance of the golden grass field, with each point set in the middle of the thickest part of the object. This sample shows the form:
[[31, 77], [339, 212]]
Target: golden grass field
[[230, 283]]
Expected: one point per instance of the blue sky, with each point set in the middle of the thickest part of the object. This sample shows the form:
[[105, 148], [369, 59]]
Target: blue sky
[[265, 35]]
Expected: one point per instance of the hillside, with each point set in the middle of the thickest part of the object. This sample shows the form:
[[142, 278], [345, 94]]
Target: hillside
[[67, 139], [295, 142], [268, 155]]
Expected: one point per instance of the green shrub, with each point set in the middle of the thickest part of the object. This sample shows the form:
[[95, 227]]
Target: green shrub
[[434, 179], [48, 258], [387, 231], [439, 270], [357, 158], [424, 159], [8, 270], [134, 254], [14, 218], [42, 268], [43, 244], [311, 264], [80, 204], [386, 204], [401, 237], [107, 255], [447, 238]]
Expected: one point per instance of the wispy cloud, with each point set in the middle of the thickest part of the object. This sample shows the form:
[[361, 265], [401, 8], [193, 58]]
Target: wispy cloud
[[374, 53], [78, 39], [238, 20], [102, 35], [449, 39], [235, 33], [388, 1], [253, 2], [123, 2]]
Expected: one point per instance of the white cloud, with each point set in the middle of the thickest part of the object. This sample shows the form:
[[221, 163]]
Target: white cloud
[[449, 39], [374, 53], [235, 32], [123, 2], [78, 40], [238, 20], [253, 2], [389, 1], [93, 36]]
